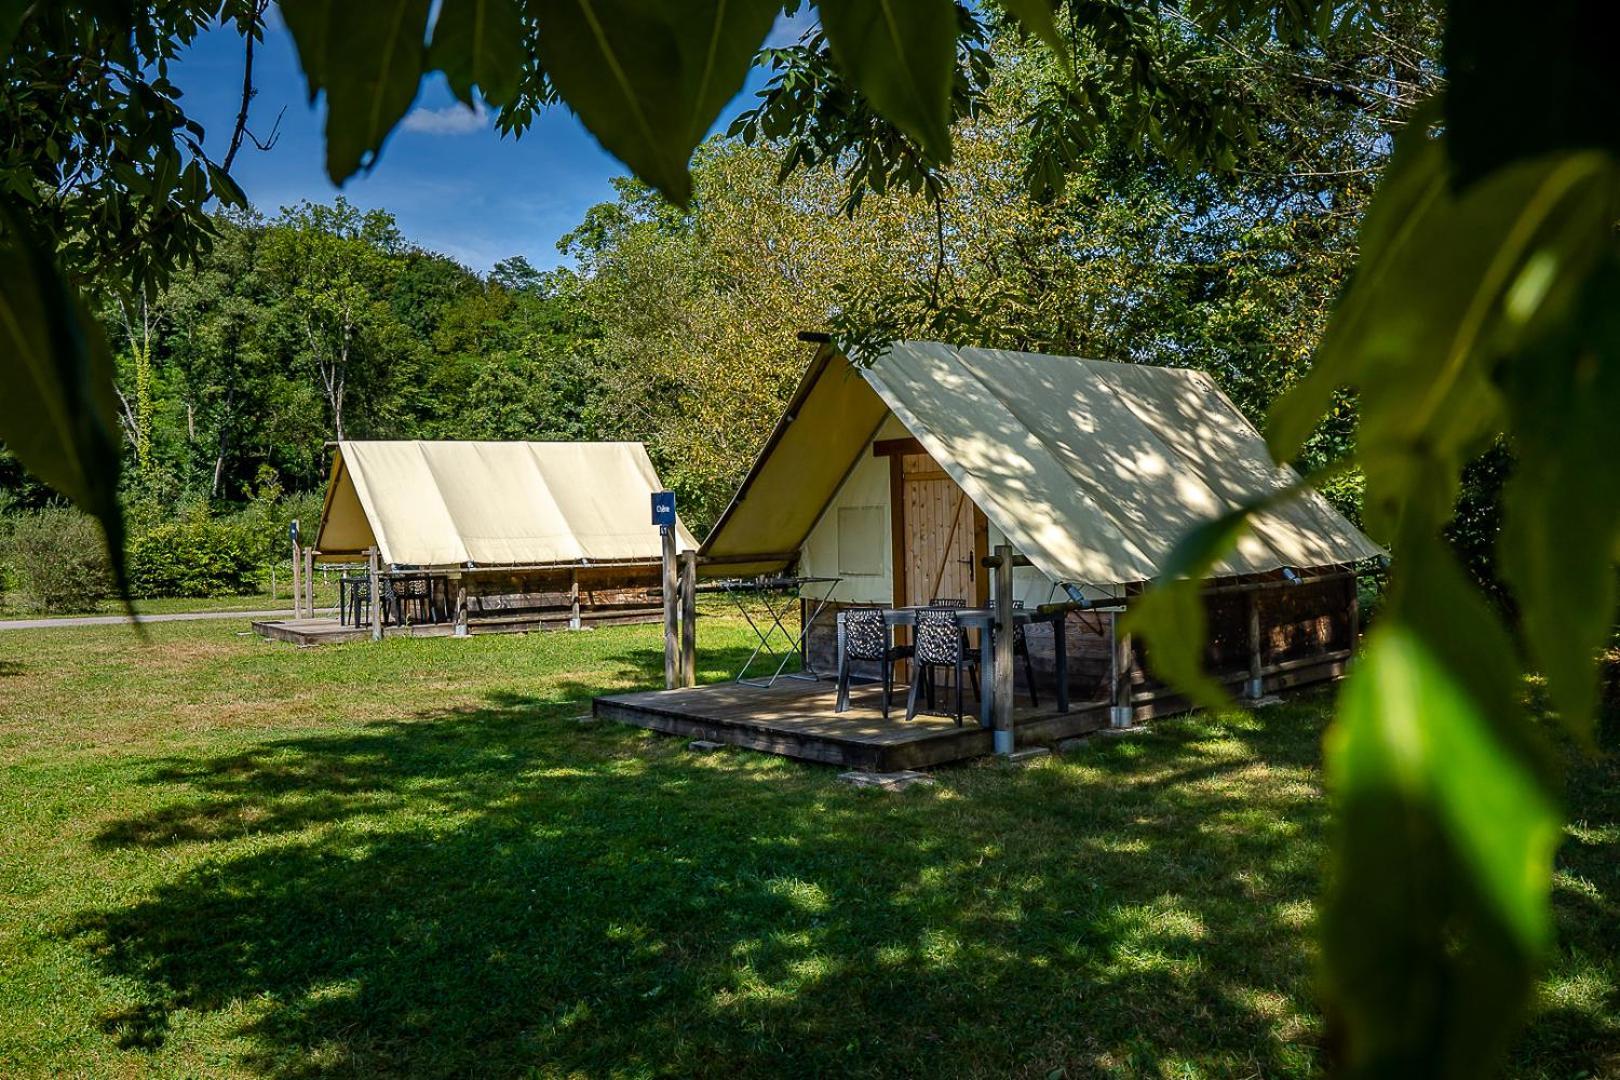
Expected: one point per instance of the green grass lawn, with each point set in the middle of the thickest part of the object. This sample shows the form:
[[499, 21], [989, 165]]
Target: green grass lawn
[[14, 606], [221, 856]]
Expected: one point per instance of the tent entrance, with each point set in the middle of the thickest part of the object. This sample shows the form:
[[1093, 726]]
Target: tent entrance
[[940, 536]]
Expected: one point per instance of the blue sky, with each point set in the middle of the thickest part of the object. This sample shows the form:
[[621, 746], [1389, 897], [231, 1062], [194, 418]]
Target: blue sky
[[454, 184]]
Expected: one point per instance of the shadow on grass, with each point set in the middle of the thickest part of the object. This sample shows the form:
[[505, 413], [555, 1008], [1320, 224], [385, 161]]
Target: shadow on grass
[[10, 668], [501, 888]]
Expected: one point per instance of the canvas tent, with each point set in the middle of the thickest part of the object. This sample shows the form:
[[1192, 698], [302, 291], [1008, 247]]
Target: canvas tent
[[466, 505], [1091, 469]]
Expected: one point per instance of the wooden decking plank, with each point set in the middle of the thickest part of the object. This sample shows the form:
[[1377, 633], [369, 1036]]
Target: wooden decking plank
[[798, 720]]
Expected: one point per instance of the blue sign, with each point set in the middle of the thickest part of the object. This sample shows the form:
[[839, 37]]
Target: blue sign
[[292, 530], [663, 508]]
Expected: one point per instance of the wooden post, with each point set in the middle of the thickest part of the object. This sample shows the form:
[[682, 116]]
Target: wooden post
[[298, 596], [374, 580], [1256, 685], [1121, 663], [309, 582], [688, 618], [1355, 614], [460, 619], [1003, 644], [573, 600], [671, 630]]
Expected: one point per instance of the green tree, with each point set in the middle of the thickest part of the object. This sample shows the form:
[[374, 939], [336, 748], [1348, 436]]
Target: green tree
[[1479, 309], [331, 263]]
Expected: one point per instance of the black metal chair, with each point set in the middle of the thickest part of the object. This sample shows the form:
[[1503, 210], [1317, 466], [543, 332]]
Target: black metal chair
[[866, 637], [359, 599], [1021, 648], [416, 600], [939, 641]]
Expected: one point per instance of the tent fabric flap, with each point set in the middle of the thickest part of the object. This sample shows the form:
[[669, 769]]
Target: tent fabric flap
[[483, 504], [1092, 469]]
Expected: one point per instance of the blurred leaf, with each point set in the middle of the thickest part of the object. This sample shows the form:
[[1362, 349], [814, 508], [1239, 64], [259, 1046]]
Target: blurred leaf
[[11, 17], [1549, 84], [480, 43], [1171, 617], [369, 60], [902, 55], [649, 77], [1561, 517], [1437, 908], [1036, 17], [225, 188], [1445, 285], [58, 414]]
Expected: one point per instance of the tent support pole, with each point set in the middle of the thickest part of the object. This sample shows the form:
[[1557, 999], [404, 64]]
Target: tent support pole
[[297, 581], [1256, 684], [1122, 660], [461, 607], [1355, 613], [309, 581], [573, 600], [671, 587], [688, 618], [374, 580], [1003, 646]]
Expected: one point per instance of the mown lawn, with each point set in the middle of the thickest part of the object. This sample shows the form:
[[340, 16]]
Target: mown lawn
[[16, 606], [220, 856]]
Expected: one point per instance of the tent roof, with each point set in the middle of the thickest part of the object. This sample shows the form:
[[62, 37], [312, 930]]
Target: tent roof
[[454, 504], [1092, 469]]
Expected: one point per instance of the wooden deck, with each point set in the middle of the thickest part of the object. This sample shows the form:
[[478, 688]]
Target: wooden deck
[[796, 719]]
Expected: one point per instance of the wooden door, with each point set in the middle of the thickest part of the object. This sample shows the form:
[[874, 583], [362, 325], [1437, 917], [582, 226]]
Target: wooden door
[[941, 534]]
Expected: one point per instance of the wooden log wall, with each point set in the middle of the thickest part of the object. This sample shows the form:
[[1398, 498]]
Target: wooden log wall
[[603, 595]]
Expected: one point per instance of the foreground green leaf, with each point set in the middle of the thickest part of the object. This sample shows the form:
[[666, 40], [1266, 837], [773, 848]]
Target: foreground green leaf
[[369, 59], [1036, 16], [1561, 505], [1523, 84], [1170, 616], [649, 77], [1447, 284], [902, 55], [58, 414], [1437, 910], [479, 43]]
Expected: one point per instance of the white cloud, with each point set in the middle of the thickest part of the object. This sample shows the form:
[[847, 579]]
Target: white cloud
[[453, 119]]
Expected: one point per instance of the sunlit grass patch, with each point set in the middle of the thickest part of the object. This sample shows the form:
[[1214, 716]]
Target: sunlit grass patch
[[224, 857]]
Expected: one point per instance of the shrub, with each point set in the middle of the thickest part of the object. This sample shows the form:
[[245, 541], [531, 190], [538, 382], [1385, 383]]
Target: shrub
[[195, 556], [57, 559]]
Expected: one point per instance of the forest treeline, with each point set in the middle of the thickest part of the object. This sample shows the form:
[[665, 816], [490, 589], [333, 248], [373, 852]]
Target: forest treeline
[[678, 327]]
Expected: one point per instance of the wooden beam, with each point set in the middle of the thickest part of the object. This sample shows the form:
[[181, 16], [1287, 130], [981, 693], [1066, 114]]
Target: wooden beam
[[297, 580], [671, 630], [897, 447], [688, 663], [897, 528], [1251, 607], [1003, 645], [309, 581], [1122, 662], [374, 579]]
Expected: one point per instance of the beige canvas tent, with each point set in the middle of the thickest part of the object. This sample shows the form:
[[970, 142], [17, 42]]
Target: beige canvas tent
[[458, 537], [899, 477], [1091, 469], [467, 505]]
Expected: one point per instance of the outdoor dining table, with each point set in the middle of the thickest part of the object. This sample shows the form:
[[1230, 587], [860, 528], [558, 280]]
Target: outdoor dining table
[[982, 619]]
